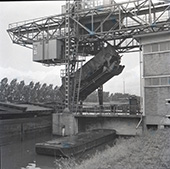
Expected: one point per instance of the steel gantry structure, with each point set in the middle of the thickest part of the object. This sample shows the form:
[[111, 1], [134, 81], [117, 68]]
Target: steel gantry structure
[[117, 22], [86, 27]]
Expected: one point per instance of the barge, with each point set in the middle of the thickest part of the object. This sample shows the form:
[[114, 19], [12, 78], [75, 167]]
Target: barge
[[72, 145]]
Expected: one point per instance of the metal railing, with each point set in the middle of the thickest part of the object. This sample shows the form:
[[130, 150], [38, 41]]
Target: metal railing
[[124, 109], [110, 109]]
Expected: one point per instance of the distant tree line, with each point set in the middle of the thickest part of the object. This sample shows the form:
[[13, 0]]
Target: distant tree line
[[109, 97], [15, 91]]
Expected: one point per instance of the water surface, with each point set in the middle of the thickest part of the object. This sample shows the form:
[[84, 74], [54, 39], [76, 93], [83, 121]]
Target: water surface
[[19, 153]]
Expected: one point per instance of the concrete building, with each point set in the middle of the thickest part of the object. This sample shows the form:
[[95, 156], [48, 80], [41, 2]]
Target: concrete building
[[156, 79]]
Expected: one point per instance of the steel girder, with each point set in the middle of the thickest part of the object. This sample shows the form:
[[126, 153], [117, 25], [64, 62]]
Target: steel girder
[[115, 24]]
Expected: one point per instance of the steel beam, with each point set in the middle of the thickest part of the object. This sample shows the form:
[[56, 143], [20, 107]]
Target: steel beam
[[130, 19]]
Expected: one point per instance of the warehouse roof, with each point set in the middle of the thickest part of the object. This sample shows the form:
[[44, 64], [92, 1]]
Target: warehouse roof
[[22, 108]]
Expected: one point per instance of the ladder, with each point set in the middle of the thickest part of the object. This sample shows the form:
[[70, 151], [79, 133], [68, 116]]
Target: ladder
[[74, 40], [67, 55], [71, 50]]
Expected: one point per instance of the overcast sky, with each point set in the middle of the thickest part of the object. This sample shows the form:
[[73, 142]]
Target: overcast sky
[[16, 61]]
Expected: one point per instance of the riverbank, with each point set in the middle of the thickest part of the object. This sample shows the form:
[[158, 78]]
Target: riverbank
[[151, 150]]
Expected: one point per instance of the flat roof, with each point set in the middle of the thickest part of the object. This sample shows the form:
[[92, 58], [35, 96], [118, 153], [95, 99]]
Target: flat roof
[[6, 107], [31, 107]]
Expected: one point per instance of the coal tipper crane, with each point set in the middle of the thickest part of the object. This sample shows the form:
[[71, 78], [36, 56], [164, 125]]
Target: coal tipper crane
[[100, 28]]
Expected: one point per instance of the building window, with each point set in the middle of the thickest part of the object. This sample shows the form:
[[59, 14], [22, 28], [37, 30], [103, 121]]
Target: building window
[[148, 82], [157, 81], [156, 47], [164, 81], [164, 46], [167, 126], [35, 48], [146, 48], [152, 127]]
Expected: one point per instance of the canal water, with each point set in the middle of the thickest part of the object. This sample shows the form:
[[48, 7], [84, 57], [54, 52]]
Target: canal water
[[18, 154]]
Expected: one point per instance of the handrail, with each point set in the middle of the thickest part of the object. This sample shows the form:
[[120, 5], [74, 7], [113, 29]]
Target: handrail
[[113, 109]]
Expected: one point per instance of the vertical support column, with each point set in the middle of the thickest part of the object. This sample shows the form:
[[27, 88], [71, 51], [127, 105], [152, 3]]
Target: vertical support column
[[120, 24], [75, 62], [67, 54], [100, 96], [150, 13], [64, 120], [67, 85], [142, 97], [77, 82]]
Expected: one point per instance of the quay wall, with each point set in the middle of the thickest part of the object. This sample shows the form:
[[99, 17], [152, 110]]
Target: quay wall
[[123, 125], [11, 129]]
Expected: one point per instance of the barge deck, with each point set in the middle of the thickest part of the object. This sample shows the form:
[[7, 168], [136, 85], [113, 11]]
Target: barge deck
[[72, 145]]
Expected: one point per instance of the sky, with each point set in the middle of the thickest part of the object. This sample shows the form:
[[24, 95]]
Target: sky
[[16, 61]]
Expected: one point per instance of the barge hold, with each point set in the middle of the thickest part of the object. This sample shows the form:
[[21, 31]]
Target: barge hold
[[72, 145]]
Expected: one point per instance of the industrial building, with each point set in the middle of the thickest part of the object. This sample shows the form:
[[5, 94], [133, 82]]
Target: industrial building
[[156, 76]]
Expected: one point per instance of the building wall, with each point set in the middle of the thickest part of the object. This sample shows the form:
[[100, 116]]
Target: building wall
[[155, 100], [156, 75], [74, 124], [17, 128], [157, 64], [122, 125]]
